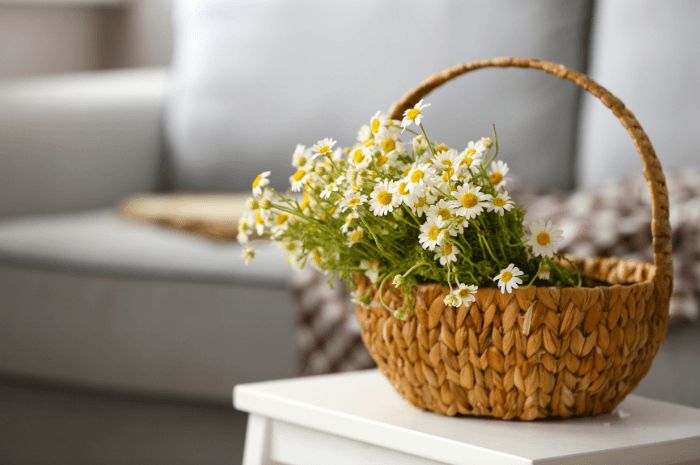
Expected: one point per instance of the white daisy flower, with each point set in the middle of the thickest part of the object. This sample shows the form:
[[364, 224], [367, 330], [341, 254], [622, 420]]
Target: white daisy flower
[[446, 159], [442, 209], [407, 196], [471, 157], [423, 203], [298, 179], [445, 181], [371, 269], [508, 278], [446, 253], [301, 156], [248, 254], [360, 157], [465, 293], [470, 201], [281, 225], [262, 220], [431, 232], [245, 227], [260, 182], [501, 203], [352, 199], [419, 174], [349, 222], [413, 115], [364, 134], [391, 147], [354, 236], [544, 238], [497, 175], [384, 198], [379, 122], [323, 147], [332, 187]]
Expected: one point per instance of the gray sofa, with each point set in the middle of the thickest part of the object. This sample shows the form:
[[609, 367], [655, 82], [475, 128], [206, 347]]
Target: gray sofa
[[101, 306]]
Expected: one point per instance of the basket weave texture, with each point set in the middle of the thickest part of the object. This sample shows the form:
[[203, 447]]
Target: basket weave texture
[[541, 352]]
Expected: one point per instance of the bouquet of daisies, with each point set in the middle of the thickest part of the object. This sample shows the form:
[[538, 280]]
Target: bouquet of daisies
[[410, 214]]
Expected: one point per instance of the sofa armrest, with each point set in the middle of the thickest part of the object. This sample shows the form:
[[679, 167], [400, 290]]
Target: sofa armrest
[[81, 140]]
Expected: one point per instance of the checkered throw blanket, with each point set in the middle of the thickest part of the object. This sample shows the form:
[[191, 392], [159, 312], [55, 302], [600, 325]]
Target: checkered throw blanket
[[611, 219]]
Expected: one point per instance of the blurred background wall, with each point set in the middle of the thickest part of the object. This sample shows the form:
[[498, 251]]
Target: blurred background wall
[[54, 36]]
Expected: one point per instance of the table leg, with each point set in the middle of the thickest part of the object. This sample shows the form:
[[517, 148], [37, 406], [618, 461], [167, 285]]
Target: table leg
[[257, 441]]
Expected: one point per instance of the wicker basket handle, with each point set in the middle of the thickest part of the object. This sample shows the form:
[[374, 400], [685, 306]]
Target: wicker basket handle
[[660, 226]]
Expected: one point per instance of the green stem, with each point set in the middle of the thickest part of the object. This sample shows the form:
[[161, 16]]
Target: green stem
[[537, 273], [376, 241], [430, 146]]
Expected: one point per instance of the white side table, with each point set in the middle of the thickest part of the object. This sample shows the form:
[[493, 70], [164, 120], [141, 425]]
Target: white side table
[[358, 418]]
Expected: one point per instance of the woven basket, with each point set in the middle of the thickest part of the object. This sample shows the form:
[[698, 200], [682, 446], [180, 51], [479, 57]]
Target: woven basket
[[541, 352]]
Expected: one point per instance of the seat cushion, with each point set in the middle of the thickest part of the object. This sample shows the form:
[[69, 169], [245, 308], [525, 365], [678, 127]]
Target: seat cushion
[[103, 243], [93, 299]]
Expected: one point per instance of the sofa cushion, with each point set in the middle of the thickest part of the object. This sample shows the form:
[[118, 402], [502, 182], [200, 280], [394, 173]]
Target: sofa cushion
[[641, 51], [80, 140], [101, 242], [253, 79]]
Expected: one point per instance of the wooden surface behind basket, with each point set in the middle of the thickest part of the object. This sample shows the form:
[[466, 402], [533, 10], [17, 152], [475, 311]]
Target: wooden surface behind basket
[[539, 352]]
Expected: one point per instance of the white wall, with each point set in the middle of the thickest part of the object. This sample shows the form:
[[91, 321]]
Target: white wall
[[56, 36]]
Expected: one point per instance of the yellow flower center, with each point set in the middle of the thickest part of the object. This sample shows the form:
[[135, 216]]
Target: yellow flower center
[[469, 200], [447, 249], [282, 218], [467, 161], [353, 202], [258, 219], [299, 174], [444, 213], [416, 176], [373, 264], [382, 160], [505, 277], [543, 238], [317, 258], [359, 156], [375, 125], [388, 145], [447, 174], [356, 235], [499, 202], [325, 149], [304, 206], [384, 197], [470, 152], [369, 143], [496, 177], [413, 113], [257, 181], [441, 148], [408, 170], [433, 233], [447, 163], [331, 211], [402, 188], [464, 293]]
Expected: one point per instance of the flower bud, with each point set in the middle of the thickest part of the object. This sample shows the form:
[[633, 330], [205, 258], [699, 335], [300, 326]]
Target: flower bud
[[398, 280], [265, 204], [487, 141], [451, 300]]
